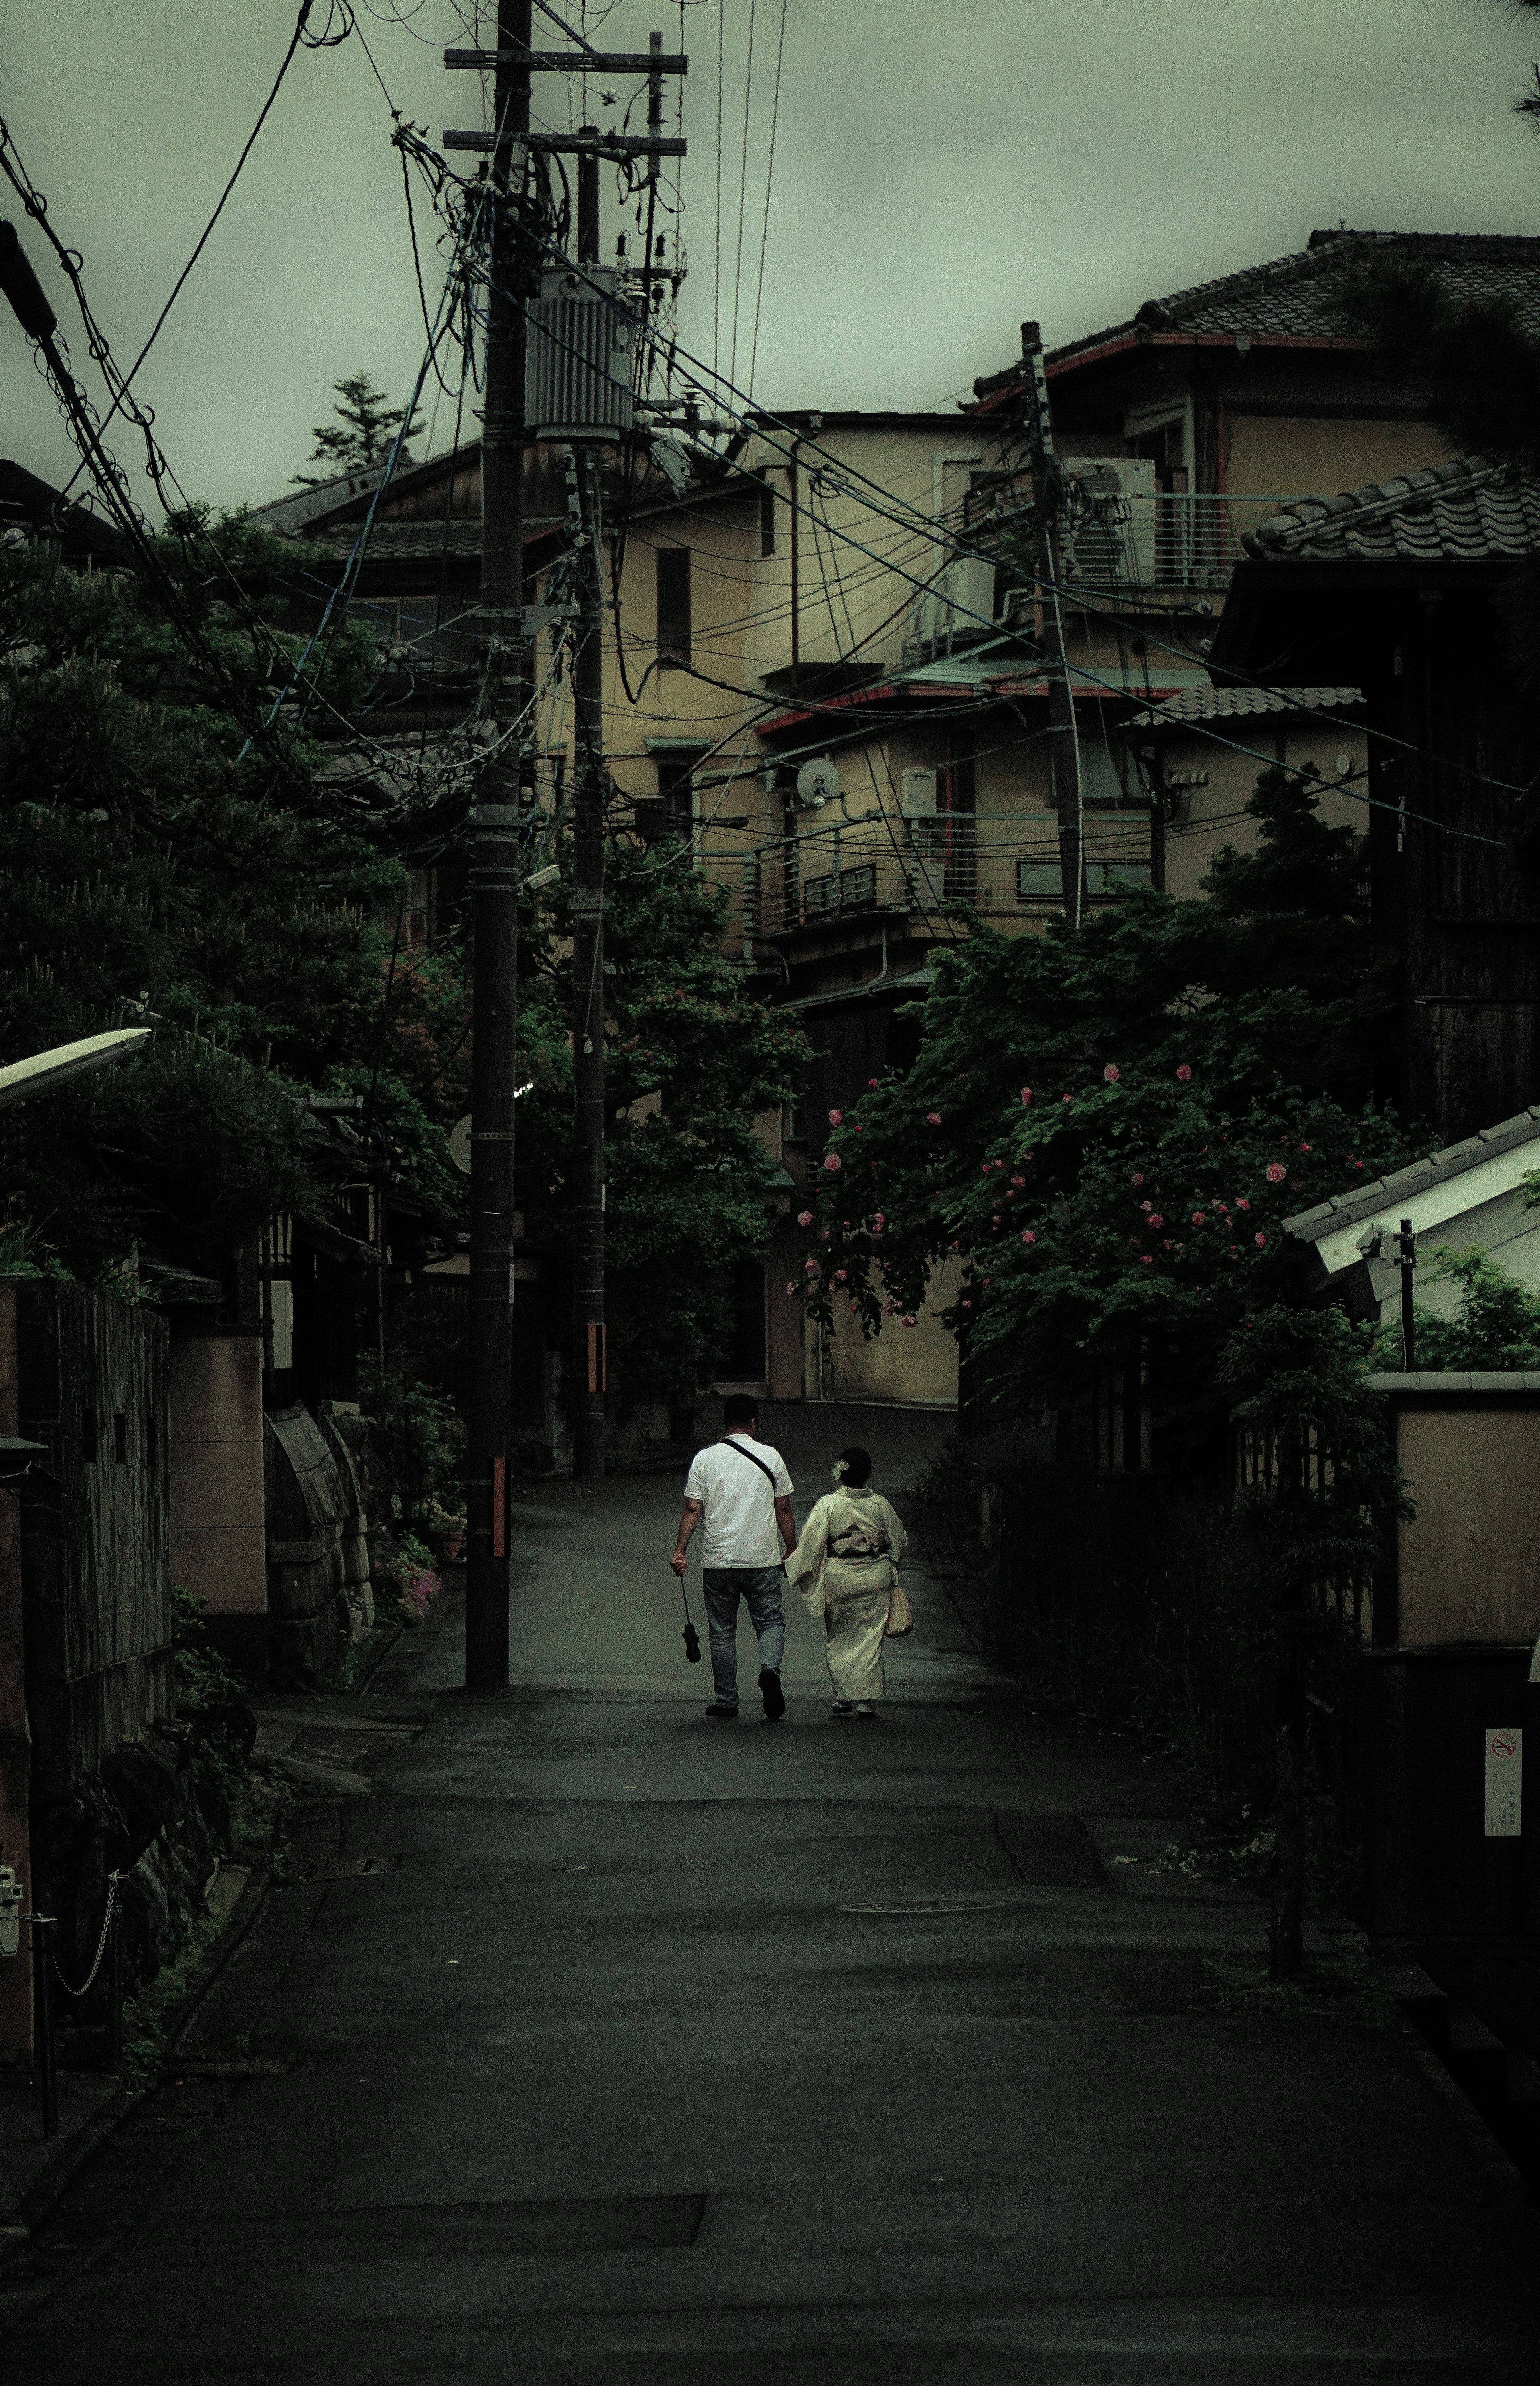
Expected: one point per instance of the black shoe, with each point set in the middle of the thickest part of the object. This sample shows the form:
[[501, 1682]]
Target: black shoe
[[719, 1714], [775, 1699]]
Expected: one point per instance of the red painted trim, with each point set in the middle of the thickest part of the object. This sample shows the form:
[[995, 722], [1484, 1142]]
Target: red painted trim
[[1169, 339]]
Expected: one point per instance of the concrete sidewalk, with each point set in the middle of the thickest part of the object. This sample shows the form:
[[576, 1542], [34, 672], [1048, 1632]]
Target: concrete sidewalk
[[678, 2052]]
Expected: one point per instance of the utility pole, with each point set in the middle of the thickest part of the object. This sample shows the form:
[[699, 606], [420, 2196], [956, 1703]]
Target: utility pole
[[588, 991], [575, 350], [1406, 1259], [495, 896], [1063, 743]]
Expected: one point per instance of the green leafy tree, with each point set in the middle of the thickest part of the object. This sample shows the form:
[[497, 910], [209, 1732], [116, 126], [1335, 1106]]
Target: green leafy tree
[[1495, 1326], [363, 433], [691, 1061], [164, 851], [1105, 1129]]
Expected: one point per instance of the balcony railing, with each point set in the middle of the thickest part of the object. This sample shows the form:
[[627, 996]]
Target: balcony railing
[[866, 868], [1117, 536]]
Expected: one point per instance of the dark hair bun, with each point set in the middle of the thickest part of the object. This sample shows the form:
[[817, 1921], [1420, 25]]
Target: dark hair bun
[[858, 1466]]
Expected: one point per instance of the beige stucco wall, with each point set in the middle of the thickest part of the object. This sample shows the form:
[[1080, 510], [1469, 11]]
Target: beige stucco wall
[[1469, 1566], [1215, 815], [218, 1546], [1284, 455], [912, 1366]]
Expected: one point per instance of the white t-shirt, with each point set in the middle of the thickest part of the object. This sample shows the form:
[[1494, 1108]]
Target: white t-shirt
[[739, 1501]]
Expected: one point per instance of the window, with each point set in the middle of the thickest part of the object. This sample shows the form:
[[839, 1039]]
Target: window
[[855, 890], [767, 522], [1111, 877], [674, 603], [1039, 882], [672, 812]]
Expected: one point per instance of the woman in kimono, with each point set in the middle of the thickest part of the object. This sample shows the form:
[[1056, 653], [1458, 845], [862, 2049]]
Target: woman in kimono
[[845, 1567]]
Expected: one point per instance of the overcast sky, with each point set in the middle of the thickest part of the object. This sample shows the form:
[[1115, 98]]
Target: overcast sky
[[942, 169]]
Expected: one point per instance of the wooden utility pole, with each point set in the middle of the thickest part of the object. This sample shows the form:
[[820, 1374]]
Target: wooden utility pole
[[588, 991], [1064, 744], [495, 896]]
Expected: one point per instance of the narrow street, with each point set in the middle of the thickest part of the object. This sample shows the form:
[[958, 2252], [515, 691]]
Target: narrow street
[[665, 2052]]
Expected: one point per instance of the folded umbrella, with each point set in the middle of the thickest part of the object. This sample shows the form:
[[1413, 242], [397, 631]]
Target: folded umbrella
[[692, 1637]]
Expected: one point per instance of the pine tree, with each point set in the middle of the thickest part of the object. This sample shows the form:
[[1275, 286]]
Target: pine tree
[[363, 435]]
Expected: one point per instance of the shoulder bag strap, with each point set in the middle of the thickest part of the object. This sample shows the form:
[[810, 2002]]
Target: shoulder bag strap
[[727, 1443]]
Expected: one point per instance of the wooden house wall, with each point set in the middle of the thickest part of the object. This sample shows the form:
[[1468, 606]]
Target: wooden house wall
[[1469, 909], [95, 1390]]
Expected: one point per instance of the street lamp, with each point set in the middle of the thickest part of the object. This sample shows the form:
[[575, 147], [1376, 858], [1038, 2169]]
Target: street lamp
[[46, 1070]]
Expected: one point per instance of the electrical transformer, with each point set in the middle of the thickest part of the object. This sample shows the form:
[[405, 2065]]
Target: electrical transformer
[[581, 355]]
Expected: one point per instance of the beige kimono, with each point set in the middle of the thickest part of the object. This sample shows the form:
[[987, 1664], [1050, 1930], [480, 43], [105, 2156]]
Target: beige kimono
[[845, 1566]]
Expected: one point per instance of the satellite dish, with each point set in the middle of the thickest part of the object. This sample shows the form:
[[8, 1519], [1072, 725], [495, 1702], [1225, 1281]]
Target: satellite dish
[[459, 1145], [818, 782], [46, 1070]]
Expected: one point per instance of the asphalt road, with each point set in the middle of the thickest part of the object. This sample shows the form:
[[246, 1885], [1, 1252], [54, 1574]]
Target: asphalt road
[[643, 2049]]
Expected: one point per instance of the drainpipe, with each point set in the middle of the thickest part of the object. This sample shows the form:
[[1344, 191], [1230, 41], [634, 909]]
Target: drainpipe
[[815, 424]]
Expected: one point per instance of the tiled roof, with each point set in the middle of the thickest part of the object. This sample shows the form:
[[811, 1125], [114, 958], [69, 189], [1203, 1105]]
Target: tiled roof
[[1235, 703], [1369, 1200], [1294, 297], [406, 541], [1458, 512]]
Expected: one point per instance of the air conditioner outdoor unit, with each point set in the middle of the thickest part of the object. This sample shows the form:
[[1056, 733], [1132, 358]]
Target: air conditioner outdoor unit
[[580, 364], [916, 795]]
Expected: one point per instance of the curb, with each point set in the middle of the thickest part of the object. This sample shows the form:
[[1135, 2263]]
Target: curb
[[51, 2181]]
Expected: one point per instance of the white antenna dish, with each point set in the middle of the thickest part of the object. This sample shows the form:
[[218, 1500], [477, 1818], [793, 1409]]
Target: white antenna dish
[[818, 783], [46, 1070]]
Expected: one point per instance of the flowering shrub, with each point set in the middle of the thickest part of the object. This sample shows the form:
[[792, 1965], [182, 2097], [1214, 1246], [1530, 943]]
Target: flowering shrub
[[1269, 991]]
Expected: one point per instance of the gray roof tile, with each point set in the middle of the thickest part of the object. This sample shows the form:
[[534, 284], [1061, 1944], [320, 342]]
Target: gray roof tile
[[1364, 1200], [1236, 703], [1456, 512]]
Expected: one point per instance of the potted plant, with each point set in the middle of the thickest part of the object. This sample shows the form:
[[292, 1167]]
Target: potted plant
[[444, 1529]]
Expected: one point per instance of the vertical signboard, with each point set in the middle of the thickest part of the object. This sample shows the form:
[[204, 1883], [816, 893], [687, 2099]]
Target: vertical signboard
[[1505, 1760]]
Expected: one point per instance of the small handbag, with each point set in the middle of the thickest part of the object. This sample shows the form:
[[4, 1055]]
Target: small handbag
[[899, 1618]]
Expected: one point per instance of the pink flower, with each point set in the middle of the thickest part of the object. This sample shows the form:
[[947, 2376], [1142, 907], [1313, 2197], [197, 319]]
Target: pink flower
[[968, 1304], [810, 1266], [889, 1305], [1167, 1244], [1304, 1147], [805, 1217], [1138, 1180], [988, 1167], [1243, 1205], [1111, 1072], [1018, 1180], [823, 1233], [790, 1288], [835, 1162], [1064, 1097], [1276, 1172], [1029, 1236], [1197, 1217], [988, 1280], [860, 1130], [1026, 1098], [1148, 1258], [879, 1218], [1185, 1075], [834, 1117], [935, 1117], [1357, 1163], [1156, 1219], [1146, 1205], [840, 1274], [907, 1321], [871, 1081], [1260, 1241]]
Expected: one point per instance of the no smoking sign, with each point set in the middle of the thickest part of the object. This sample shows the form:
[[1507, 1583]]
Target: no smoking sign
[[1505, 1776]]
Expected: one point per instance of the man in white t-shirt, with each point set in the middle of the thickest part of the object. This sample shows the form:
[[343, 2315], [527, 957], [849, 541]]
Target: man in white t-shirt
[[739, 1488]]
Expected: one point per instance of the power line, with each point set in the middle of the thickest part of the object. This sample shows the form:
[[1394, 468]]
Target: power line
[[769, 177]]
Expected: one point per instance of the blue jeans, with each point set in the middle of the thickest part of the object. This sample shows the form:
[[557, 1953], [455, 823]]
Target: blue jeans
[[761, 1586]]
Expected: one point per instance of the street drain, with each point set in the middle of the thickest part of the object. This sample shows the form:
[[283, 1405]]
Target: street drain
[[348, 1867], [933, 1905]]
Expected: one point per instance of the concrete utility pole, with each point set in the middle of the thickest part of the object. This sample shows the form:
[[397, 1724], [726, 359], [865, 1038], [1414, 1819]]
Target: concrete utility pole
[[494, 900], [1064, 744], [588, 991]]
